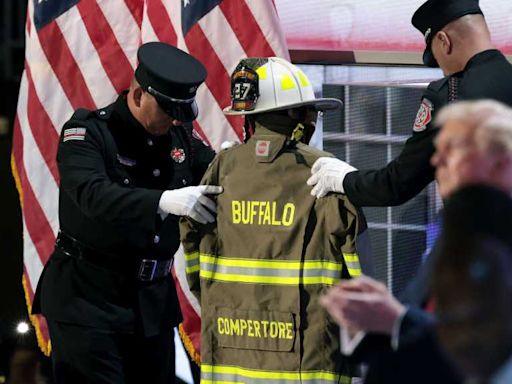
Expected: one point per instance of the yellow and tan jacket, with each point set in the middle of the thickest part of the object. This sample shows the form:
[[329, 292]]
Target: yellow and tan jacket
[[259, 271]]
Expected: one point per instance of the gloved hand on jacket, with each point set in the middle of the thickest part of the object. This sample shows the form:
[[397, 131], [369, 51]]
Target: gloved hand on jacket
[[328, 174], [191, 202]]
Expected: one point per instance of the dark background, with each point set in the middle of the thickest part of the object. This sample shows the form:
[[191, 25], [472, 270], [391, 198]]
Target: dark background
[[21, 361], [12, 305]]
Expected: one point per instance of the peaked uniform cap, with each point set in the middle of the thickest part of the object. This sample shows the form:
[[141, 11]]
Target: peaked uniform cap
[[169, 70], [172, 76], [434, 15]]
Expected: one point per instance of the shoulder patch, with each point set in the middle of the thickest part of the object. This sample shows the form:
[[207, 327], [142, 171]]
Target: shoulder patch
[[77, 133], [424, 116]]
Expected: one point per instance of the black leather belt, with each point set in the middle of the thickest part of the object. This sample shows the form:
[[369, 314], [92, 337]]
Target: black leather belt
[[146, 269]]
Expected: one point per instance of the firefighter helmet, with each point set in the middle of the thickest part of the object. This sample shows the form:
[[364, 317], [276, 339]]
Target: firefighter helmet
[[272, 84]]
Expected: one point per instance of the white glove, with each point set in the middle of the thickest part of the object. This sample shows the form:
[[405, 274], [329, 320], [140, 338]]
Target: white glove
[[191, 201], [328, 174], [228, 144]]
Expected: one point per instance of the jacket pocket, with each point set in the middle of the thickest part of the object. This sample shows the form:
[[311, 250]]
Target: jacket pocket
[[255, 330]]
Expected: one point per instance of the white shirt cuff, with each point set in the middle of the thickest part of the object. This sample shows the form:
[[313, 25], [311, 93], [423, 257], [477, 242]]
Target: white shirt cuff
[[161, 213], [349, 344], [395, 332]]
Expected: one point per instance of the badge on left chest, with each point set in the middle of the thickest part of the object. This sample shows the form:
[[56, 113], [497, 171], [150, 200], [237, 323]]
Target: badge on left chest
[[178, 155]]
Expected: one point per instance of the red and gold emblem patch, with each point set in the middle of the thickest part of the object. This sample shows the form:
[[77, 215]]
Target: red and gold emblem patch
[[424, 116], [178, 155]]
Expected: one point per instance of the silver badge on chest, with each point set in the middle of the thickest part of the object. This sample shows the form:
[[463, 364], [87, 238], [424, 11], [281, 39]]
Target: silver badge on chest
[[178, 155]]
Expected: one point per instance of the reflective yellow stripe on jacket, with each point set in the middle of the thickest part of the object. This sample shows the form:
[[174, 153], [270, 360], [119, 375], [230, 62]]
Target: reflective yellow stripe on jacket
[[353, 265], [278, 272], [234, 374], [192, 262]]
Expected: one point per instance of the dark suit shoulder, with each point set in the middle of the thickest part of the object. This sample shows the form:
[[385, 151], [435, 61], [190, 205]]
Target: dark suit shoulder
[[86, 129]]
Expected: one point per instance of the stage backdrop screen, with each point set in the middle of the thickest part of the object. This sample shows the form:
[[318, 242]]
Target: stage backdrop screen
[[372, 25]]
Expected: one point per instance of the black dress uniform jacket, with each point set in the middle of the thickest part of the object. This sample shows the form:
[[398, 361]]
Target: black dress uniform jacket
[[488, 75], [112, 176]]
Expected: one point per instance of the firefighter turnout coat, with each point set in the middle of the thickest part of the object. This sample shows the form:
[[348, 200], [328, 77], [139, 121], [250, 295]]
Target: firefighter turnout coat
[[260, 270]]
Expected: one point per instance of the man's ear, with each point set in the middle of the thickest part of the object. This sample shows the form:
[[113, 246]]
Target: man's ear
[[137, 96], [446, 42]]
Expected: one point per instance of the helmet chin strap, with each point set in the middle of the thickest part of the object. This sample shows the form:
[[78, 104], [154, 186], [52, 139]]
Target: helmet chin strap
[[298, 132], [304, 129], [303, 132]]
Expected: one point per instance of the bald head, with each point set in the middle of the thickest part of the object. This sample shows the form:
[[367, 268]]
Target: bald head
[[459, 41], [468, 28]]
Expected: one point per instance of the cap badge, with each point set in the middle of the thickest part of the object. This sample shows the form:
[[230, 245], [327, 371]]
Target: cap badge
[[424, 116], [262, 148], [178, 155], [427, 34]]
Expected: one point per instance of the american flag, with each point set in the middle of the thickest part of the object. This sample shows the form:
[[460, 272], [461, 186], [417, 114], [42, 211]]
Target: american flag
[[81, 54]]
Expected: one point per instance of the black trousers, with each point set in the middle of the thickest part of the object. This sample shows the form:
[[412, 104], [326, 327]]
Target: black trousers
[[84, 355]]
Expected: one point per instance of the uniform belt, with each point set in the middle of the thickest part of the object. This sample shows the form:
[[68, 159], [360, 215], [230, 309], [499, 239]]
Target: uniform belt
[[146, 269]]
